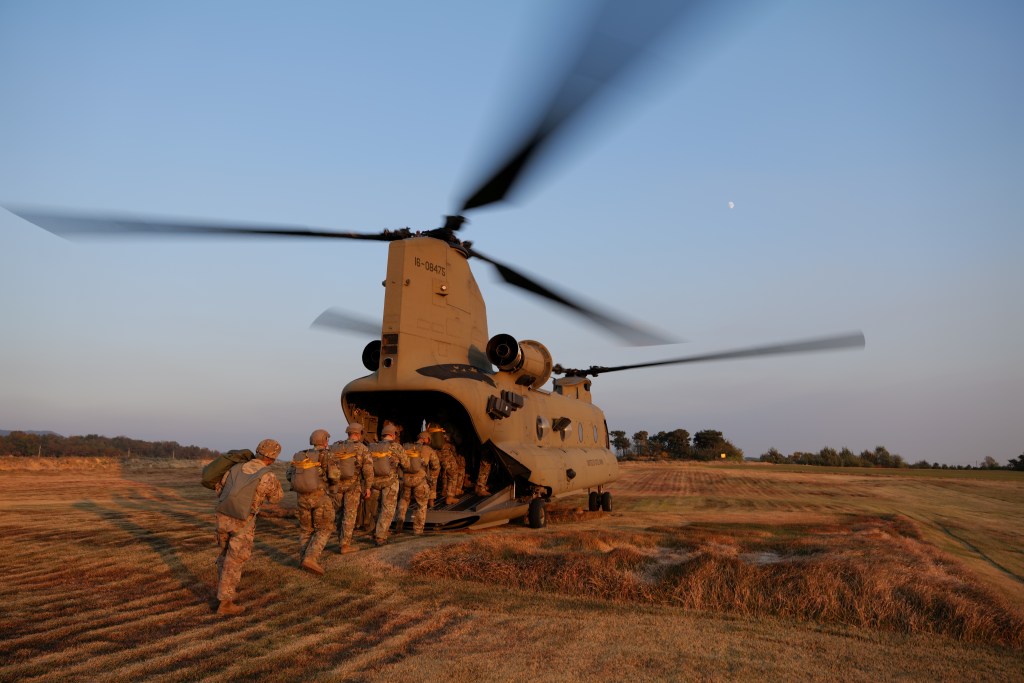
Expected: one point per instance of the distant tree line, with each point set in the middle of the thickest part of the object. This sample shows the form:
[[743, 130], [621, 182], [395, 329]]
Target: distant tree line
[[880, 457], [707, 444], [95, 446]]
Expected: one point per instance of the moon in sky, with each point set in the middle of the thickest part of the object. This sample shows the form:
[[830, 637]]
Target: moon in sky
[[732, 205]]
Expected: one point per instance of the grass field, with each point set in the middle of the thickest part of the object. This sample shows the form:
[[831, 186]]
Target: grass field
[[702, 572]]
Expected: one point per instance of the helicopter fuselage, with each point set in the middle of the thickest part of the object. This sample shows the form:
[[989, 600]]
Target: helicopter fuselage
[[435, 363]]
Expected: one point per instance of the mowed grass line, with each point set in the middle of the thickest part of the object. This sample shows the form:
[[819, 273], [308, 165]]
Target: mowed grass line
[[113, 581]]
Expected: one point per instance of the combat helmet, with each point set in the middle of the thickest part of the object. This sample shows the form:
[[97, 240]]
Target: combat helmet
[[354, 427], [269, 448], [319, 437], [389, 429]]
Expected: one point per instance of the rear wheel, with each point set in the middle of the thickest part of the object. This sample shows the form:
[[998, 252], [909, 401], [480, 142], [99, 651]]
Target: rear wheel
[[594, 502], [537, 516], [606, 501]]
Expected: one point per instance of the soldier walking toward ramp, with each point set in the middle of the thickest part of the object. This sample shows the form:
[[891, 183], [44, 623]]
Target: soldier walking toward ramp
[[241, 492], [388, 458], [308, 477], [349, 476], [453, 468], [419, 483]]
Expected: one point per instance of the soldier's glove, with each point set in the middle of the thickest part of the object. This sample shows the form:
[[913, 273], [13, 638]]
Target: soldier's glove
[[332, 489]]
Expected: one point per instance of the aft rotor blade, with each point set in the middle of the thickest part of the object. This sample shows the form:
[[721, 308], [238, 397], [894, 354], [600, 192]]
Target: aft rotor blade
[[73, 225], [853, 340], [631, 334], [619, 36], [338, 320]]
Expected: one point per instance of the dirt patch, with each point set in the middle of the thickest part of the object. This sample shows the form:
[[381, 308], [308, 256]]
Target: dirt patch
[[864, 571]]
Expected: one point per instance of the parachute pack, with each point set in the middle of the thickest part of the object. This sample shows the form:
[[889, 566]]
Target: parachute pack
[[306, 475], [214, 471]]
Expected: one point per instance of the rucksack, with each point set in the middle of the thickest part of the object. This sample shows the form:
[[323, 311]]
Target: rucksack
[[215, 469], [306, 475]]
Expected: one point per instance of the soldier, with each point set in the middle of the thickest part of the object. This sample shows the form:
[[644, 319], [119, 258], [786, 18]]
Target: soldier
[[308, 476], [482, 474], [388, 458], [349, 476], [241, 492], [419, 483], [454, 470]]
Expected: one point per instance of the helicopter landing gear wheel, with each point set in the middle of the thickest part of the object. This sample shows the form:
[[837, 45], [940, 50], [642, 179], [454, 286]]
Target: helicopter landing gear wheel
[[537, 517], [606, 501], [594, 502]]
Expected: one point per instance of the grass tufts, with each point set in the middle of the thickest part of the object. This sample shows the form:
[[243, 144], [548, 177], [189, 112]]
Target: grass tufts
[[872, 572]]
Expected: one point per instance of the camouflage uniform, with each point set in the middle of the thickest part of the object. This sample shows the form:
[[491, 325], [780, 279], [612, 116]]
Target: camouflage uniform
[[235, 536], [349, 474], [454, 470], [418, 485], [316, 510], [387, 483], [482, 475]]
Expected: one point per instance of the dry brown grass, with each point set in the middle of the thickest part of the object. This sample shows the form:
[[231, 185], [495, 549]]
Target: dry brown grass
[[866, 572], [108, 575]]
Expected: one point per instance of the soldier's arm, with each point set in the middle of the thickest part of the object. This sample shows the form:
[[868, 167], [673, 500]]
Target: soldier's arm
[[270, 491], [367, 469], [403, 457]]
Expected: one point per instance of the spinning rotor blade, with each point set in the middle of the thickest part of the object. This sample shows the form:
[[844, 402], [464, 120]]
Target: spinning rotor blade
[[632, 334], [845, 341], [337, 320], [620, 34], [70, 225]]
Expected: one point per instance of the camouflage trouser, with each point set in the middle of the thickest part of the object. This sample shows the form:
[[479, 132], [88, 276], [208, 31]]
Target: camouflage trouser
[[235, 538], [483, 473], [455, 477], [418, 491], [346, 502], [316, 522], [370, 505], [386, 511]]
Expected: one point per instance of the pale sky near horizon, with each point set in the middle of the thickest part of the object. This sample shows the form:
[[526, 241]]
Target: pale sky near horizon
[[873, 153]]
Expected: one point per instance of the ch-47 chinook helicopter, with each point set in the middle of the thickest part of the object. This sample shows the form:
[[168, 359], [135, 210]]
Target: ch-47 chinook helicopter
[[435, 360]]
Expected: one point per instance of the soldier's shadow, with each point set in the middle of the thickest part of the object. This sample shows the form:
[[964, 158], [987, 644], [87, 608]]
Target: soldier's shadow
[[160, 545]]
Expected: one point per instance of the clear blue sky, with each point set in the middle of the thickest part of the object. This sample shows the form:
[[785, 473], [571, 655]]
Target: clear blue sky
[[874, 153]]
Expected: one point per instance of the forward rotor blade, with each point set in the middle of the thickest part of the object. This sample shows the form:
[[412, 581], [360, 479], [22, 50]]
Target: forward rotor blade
[[619, 35], [337, 320], [846, 341], [631, 334], [71, 225]]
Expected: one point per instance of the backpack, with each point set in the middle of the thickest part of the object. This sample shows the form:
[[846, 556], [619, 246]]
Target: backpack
[[415, 459], [381, 459], [306, 476], [215, 469]]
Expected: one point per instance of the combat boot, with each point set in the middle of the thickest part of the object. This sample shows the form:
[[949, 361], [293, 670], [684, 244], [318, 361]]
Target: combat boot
[[451, 500], [482, 491], [312, 566], [345, 549], [228, 608]]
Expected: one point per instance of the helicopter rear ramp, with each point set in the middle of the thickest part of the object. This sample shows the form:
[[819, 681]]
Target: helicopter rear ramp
[[475, 512]]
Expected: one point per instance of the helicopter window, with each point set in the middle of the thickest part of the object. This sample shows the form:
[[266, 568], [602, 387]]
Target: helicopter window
[[595, 433], [581, 432], [542, 427]]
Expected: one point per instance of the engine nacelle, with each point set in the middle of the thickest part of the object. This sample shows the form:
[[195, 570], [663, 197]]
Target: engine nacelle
[[529, 361]]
